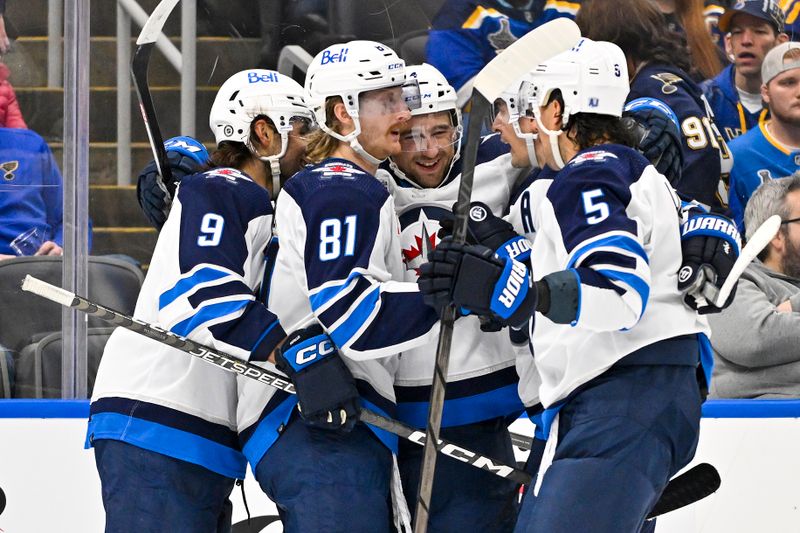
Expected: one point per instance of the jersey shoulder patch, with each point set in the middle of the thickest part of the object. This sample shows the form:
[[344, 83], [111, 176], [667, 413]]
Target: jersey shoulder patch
[[594, 156]]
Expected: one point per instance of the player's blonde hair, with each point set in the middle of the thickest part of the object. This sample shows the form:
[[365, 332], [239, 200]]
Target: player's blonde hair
[[321, 145]]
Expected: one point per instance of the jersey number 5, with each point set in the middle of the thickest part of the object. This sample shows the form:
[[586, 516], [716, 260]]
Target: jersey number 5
[[595, 210], [330, 238]]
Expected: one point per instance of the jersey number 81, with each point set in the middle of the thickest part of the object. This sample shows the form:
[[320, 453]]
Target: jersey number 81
[[330, 238]]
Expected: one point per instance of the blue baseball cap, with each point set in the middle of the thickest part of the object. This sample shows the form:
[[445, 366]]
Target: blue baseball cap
[[768, 10]]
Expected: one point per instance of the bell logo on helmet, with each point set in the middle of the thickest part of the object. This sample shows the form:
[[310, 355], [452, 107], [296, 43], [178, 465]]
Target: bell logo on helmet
[[255, 77], [338, 57]]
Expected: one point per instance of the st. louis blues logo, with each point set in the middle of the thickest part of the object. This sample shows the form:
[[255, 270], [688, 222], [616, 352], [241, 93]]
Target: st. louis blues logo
[[8, 168]]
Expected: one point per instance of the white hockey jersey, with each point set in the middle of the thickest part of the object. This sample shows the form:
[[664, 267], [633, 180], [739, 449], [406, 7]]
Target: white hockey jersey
[[339, 263], [482, 380], [612, 220], [206, 265]]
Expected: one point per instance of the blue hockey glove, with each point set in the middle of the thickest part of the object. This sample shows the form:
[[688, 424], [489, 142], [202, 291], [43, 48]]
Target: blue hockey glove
[[486, 229], [474, 278], [326, 391], [185, 156], [658, 135], [710, 245]]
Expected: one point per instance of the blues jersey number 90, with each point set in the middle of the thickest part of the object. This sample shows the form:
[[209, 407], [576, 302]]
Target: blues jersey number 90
[[335, 240]]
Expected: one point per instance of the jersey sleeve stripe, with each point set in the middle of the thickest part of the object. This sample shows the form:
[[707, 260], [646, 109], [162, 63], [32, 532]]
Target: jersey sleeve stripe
[[633, 281], [599, 259], [346, 329], [217, 311], [336, 290], [191, 282], [622, 243]]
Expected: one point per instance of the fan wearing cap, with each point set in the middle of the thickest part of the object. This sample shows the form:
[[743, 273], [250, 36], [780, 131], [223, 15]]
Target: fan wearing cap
[[752, 28], [772, 150], [616, 350]]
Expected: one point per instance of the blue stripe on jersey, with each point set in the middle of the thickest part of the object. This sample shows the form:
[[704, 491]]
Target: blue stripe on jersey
[[357, 317], [184, 285], [609, 258], [340, 306], [268, 428], [168, 441], [207, 313], [496, 403], [263, 354], [633, 281], [323, 296], [372, 400], [232, 287], [623, 242], [406, 308], [388, 439]]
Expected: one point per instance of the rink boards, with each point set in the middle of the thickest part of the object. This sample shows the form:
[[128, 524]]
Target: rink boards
[[50, 482]]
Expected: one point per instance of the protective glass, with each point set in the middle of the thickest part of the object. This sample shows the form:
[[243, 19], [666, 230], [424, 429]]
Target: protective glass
[[389, 101], [424, 135], [500, 111]]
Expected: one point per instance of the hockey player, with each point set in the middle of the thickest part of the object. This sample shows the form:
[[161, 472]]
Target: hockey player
[[657, 65], [163, 424], [481, 397], [339, 263], [616, 350]]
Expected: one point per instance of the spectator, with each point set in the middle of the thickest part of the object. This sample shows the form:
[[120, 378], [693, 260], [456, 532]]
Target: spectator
[[687, 18], [10, 113], [474, 31], [773, 149], [712, 11], [792, 9], [755, 340], [31, 212], [755, 27], [657, 66]]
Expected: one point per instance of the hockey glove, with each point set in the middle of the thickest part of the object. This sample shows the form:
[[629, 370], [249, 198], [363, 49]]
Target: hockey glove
[[710, 245], [326, 391], [185, 156], [658, 135], [486, 229], [474, 278]]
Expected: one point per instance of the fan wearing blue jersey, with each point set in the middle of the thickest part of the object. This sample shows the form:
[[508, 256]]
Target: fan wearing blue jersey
[[163, 424], [658, 65], [616, 350], [340, 264], [481, 397]]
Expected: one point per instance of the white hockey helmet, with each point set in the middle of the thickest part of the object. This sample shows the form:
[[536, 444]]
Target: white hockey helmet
[[347, 70], [592, 77], [252, 93], [517, 106]]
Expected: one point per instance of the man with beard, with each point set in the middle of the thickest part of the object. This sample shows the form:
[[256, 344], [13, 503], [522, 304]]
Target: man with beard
[[735, 94], [764, 362], [773, 149]]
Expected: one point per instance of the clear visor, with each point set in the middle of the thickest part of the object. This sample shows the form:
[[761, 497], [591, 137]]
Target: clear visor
[[500, 111], [302, 125], [427, 134], [389, 101]]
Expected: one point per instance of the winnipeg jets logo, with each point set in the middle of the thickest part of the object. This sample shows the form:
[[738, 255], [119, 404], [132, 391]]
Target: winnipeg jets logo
[[337, 169], [597, 155], [230, 174], [8, 168], [419, 240], [502, 38]]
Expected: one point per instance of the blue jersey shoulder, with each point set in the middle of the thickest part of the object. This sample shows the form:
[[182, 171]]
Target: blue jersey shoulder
[[228, 191], [336, 178]]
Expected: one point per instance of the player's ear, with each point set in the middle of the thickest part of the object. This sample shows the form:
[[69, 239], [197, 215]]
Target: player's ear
[[263, 132], [344, 118]]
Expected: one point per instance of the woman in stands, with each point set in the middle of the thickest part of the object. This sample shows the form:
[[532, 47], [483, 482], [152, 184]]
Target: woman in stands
[[162, 423]]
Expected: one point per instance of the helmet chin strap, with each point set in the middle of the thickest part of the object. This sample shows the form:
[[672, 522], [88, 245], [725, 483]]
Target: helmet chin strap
[[273, 161], [352, 139], [552, 136], [357, 148], [528, 138]]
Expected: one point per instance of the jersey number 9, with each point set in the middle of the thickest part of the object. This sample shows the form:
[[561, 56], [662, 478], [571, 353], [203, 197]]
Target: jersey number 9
[[210, 230]]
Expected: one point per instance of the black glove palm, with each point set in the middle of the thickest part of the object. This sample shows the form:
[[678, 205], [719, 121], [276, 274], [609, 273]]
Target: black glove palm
[[658, 139], [155, 201]]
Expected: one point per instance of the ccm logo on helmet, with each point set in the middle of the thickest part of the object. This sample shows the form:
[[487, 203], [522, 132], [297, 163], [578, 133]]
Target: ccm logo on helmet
[[338, 57], [308, 354], [255, 77]]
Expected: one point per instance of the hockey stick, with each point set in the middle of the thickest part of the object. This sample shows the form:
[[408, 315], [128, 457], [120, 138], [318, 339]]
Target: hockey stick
[[500, 73], [141, 61], [689, 485], [693, 485], [249, 370]]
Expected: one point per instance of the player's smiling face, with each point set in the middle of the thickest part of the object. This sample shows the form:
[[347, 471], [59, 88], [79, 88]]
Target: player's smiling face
[[428, 145], [500, 124], [751, 39], [382, 114]]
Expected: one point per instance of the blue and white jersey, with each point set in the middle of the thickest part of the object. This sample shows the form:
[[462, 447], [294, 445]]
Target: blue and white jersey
[[760, 157], [207, 263], [466, 34], [339, 263], [481, 379], [610, 219], [707, 162]]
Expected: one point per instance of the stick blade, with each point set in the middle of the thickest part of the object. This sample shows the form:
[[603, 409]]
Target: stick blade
[[524, 54], [691, 486], [152, 28]]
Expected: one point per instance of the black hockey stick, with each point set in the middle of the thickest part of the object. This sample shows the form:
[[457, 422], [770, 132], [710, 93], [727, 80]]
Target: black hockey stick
[[499, 74], [139, 66], [692, 485], [249, 370]]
